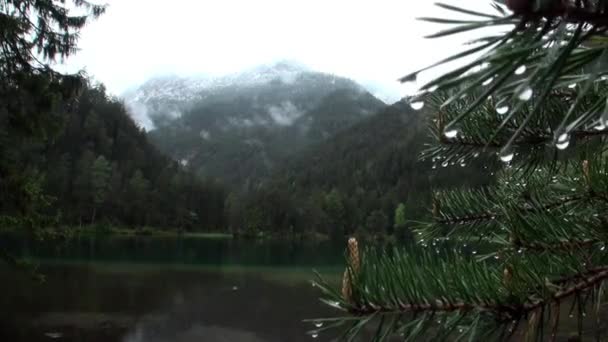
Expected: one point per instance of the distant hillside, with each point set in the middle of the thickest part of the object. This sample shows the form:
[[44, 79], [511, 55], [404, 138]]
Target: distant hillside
[[102, 169], [239, 129], [355, 180]]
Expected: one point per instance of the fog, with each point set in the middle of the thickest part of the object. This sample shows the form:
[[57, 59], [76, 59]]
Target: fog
[[373, 42]]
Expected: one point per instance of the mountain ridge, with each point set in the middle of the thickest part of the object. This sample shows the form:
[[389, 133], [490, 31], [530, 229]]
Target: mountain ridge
[[239, 132]]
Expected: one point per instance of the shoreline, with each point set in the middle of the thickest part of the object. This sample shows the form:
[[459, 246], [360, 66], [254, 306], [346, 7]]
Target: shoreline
[[70, 232]]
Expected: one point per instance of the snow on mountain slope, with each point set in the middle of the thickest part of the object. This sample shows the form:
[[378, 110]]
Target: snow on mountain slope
[[171, 95]]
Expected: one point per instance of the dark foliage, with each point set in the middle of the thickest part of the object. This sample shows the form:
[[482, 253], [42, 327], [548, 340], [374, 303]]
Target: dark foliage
[[101, 167], [354, 181]]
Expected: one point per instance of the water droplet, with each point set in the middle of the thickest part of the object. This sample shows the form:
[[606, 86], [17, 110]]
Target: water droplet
[[603, 248], [445, 164], [520, 70], [562, 146], [506, 156], [572, 86], [563, 141], [450, 134], [604, 117], [571, 315], [496, 257], [235, 288], [600, 126], [488, 81], [525, 94], [474, 252], [433, 89], [502, 109], [417, 105], [318, 324], [476, 155], [314, 335]]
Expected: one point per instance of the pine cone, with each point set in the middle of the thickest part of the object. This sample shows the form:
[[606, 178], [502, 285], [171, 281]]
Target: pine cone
[[354, 260], [586, 171], [353, 255], [347, 288]]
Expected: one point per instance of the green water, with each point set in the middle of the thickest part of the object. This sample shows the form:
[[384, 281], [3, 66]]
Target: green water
[[136, 289]]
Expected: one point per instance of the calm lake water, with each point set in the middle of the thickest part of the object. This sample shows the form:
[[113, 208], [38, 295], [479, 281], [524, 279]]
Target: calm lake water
[[150, 289]]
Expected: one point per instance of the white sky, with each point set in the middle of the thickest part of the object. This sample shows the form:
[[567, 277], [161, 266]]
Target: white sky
[[371, 41]]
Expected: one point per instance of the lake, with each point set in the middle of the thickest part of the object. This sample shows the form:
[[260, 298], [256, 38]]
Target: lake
[[153, 289]]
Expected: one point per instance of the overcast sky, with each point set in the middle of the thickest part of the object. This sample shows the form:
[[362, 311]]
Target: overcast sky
[[371, 41]]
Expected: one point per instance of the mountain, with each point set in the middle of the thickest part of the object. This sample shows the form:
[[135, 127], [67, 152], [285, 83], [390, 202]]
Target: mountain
[[355, 180], [240, 128]]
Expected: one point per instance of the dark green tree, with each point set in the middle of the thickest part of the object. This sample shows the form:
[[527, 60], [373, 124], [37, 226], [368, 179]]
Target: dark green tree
[[333, 206], [101, 171], [137, 194], [524, 258], [376, 222], [33, 97], [400, 220]]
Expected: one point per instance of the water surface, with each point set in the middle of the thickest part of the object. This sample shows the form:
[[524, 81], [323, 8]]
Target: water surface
[[133, 289]]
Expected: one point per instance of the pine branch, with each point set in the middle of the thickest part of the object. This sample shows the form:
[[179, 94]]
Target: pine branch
[[572, 12], [457, 288], [581, 282], [532, 138], [585, 284], [562, 246]]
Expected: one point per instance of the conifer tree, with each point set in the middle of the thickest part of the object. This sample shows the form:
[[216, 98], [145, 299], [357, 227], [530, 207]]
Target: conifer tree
[[101, 170], [525, 258], [400, 218], [33, 96]]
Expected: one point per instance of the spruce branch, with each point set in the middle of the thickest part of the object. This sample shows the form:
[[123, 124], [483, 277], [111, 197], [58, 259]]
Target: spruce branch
[[415, 287], [566, 10]]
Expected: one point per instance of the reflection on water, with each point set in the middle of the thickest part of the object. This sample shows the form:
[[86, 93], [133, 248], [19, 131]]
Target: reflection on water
[[156, 290], [194, 333]]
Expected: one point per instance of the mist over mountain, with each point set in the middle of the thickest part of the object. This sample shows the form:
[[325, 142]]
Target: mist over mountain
[[167, 97], [238, 128]]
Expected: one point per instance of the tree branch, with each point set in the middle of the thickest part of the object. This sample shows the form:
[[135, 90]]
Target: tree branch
[[581, 282]]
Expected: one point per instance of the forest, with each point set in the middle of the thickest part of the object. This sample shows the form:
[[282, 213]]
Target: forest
[[99, 169]]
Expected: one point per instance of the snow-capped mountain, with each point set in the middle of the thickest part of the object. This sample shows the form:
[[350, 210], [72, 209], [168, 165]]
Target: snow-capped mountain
[[238, 127], [169, 96], [194, 87]]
